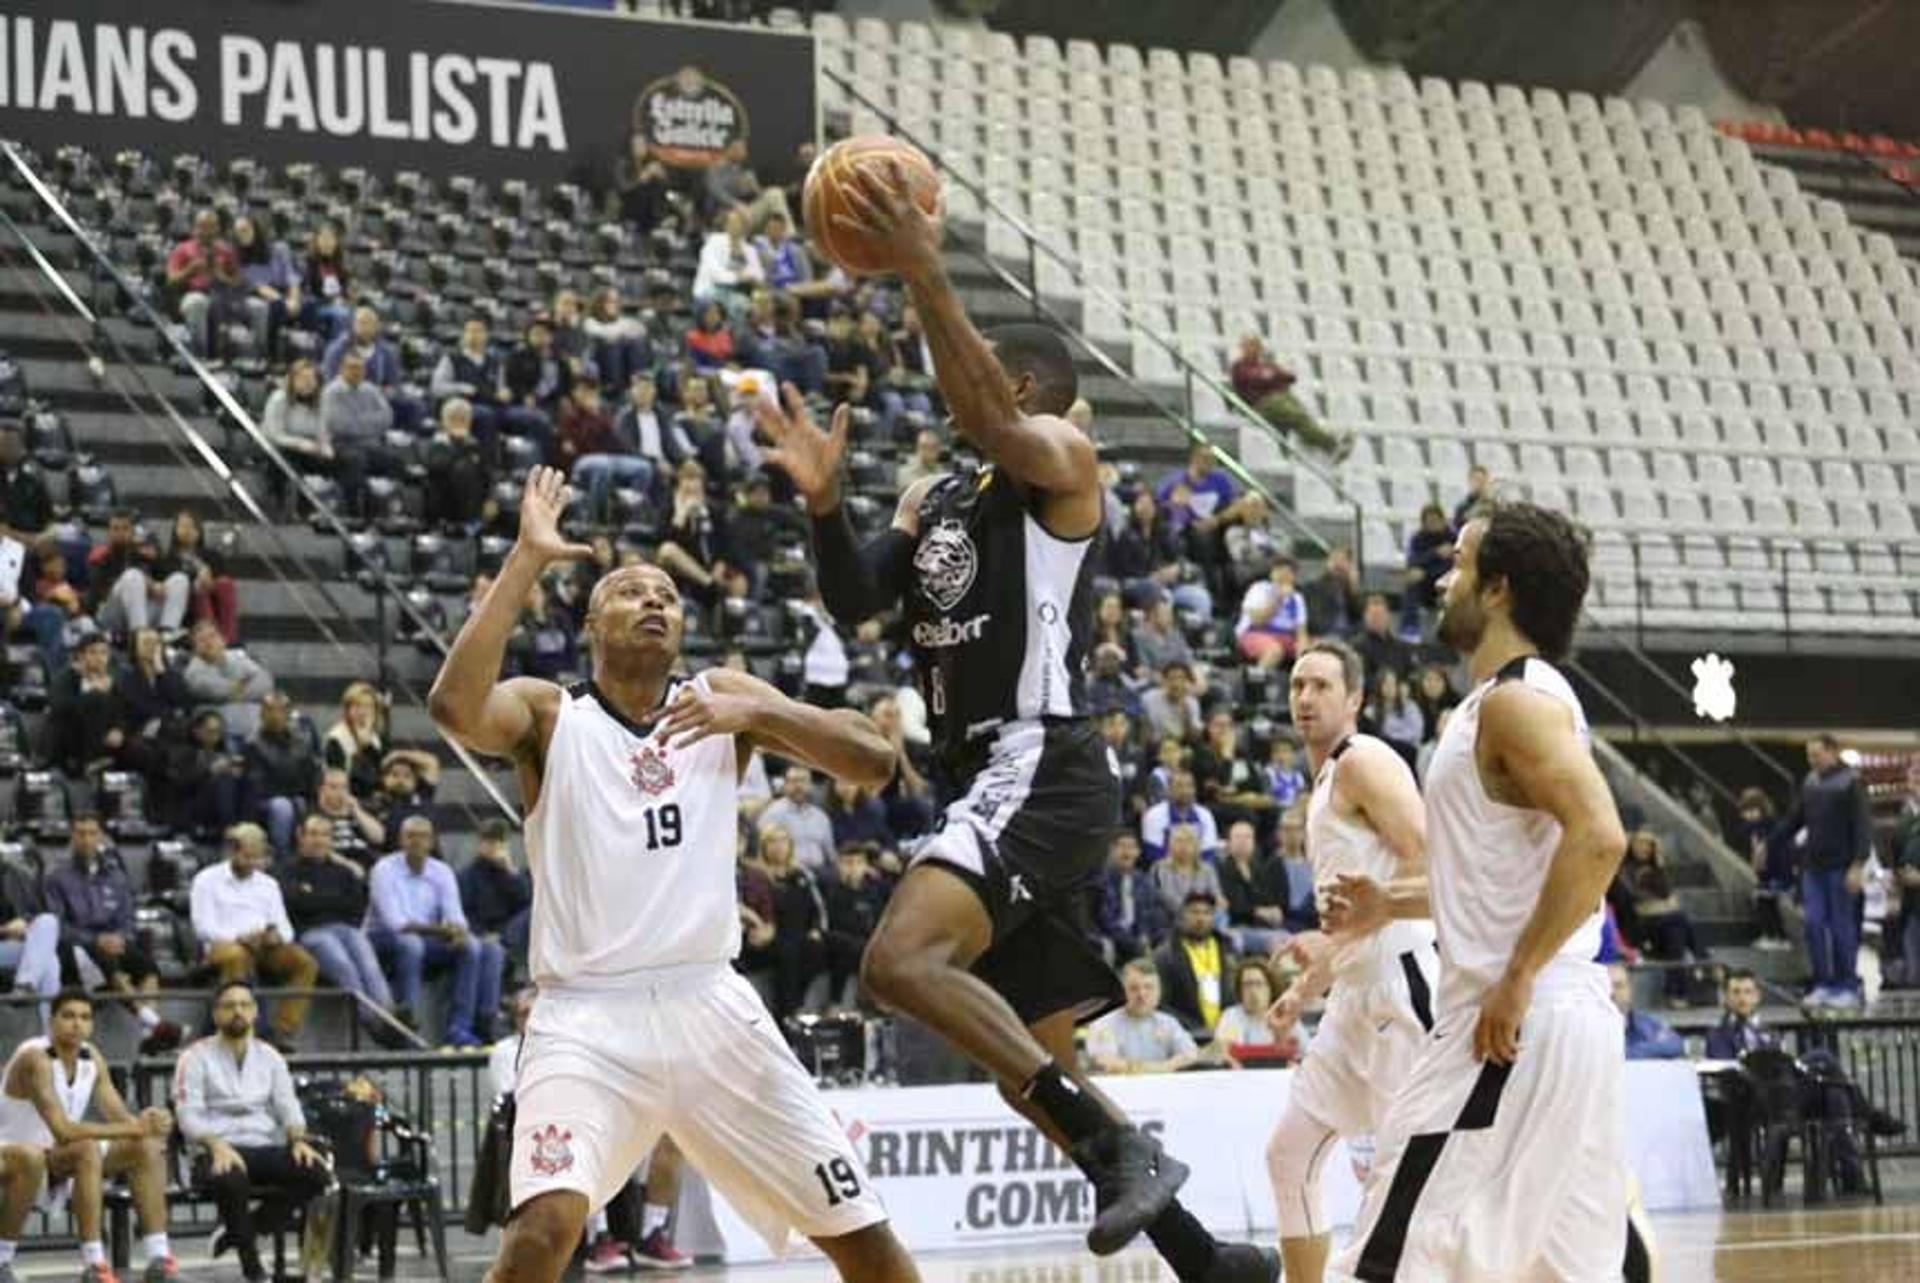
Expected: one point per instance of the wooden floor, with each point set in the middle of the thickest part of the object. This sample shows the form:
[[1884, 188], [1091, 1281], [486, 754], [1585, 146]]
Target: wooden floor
[[1845, 1245]]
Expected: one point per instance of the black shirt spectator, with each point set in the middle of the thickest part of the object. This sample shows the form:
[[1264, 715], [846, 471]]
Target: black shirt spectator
[[854, 902], [280, 761], [537, 375], [458, 479], [322, 893], [1429, 555], [1832, 808], [154, 688], [26, 510], [92, 721], [493, 893], [1333, 600], [1376, 643]]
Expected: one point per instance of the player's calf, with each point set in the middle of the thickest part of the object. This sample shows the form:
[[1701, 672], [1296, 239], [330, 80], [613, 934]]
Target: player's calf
[[539, 1239]]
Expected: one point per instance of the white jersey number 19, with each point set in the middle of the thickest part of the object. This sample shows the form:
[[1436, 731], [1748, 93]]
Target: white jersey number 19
[[663, 827]]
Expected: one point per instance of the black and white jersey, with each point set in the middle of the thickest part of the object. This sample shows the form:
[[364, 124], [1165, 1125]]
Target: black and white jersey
[[999, 615]]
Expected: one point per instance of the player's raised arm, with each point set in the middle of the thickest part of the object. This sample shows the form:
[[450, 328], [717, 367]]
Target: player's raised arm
[[857, 581], [1530, 739], [842, 742], [468, 700], [1042, 451]]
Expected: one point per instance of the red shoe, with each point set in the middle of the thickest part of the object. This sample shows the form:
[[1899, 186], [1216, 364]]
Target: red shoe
[[657, 1252], [608, 1255]]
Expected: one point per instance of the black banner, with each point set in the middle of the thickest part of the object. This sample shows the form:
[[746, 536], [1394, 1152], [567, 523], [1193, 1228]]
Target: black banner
[[494, 90]]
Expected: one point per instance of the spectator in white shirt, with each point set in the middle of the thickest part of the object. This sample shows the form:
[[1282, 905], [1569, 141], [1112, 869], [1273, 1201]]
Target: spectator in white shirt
[[1140, 1038], [809, 826], [241, 920], [236, 1105], [729, 267]]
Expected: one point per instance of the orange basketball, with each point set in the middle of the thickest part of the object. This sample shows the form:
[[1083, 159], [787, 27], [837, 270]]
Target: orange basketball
[[824, 196]]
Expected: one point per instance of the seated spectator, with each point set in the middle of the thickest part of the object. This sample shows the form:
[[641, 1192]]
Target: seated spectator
[[798, 947], [358, 835], [1273, 618], [241, 921], [92, 726], [239, 1111], [1658, 924], [1333, 600], [271, 281], [1433, 692], [854, 901], [217, 675], [471, 371], [538, 378], [1108, 689], [709, 341], [1159, 641], [784, 261], [1648, 1036], [648, 438], [924, 462], [1171, 710], [201, 780], [126, 581], [497, 897], [45, 609], [1132, 916], [1195, 963], [1266, 385], [357, 742], [643, 187], [1303, 911], [93, 898], [1429, 556], [326, 899], [293, 421], [1111, 625], [380, 364], [731, 190], [544, 643], [282, 770], [418, 927], [1179, 807], [1140, 1038], [1230, 785], [214, 594], [570, 339], [1740, 1029], [1380, 650], [729, 268], [807, 826], [618, 346], [1479, 490], [1145, 556], [908, 795], [911, 354], [459, 478], [1116, 728], [699, 421], [585, 427], [355, 416], [1254, 890], [51, 1154], [892, 392], [1197, 494], [203, 276], [1242, 1035], [1394, 717], [859, 818], [1285, 780], [326, 285], [408, 778], [29, 935], [1183, 872]]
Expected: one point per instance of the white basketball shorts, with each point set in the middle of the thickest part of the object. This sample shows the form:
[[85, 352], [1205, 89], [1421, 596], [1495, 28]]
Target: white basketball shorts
[[691, 1052], [1366, 1045], [1513, 1173]]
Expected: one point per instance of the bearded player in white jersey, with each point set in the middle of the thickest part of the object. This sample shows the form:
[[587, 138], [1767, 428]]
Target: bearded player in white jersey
[[1502, 1157], [1364, 820], [642, 1025]]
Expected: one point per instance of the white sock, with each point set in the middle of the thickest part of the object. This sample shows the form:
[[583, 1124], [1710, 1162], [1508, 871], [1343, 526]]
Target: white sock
[[596, 1225], [653, 1217], [7, 1248], [148, 1018], [157, 1247], [93, 1252]]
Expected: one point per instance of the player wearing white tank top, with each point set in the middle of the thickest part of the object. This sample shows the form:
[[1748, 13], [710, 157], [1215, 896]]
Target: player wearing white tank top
[[47, 1089], [642, 1027], [1363, 822], [1503, 1156]]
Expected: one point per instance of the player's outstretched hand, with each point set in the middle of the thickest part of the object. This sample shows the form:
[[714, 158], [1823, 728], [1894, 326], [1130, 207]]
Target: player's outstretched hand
[[1284, 1014], [801, 450], [1497, 1036], [545, 499], [884, 210], [1356, 906], [695, 715]]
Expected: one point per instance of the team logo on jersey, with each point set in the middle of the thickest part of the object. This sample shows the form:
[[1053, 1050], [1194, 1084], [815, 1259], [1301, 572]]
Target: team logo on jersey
[[651, 773], [947, 564], [552, 1151]]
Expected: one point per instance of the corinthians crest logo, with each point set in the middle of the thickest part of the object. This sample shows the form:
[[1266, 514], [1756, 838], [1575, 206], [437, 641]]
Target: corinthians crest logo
[[651, 774], [552, 1151], [947, 564]]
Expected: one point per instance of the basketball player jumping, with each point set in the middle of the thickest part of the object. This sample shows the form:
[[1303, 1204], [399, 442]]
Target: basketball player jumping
[[1364, 818], [1502, 1157], [642, 1026], [985, 938]]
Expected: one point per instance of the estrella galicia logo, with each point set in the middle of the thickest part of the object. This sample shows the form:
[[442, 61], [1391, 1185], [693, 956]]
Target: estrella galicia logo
[[690, 120], [947, 564]]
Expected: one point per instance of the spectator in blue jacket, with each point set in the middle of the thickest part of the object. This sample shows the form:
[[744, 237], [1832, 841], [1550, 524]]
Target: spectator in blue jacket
[[1831, 812], [383, 367], [1648, 1037], [93, 898], [418, 926], [1132, 917]]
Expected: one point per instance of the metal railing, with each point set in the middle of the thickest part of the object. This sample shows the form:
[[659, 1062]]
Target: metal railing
[[112, 291]]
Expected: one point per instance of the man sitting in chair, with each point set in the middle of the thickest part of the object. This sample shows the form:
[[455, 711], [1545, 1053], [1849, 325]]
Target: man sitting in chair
[[50, 1156], [237, 1106]]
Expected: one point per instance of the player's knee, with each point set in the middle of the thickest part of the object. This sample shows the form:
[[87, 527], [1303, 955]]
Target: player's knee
[[1294, 1156], [887, 970], [81, 1155], [23, 1163]]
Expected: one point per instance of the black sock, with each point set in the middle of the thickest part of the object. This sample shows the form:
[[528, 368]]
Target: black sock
[[1066, 1104], [1182, 1242]]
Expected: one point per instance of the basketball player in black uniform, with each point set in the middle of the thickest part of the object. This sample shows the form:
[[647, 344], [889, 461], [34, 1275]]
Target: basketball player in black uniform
[[985, 939]]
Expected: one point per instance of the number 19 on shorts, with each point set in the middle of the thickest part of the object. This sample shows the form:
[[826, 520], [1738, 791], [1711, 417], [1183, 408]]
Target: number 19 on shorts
[[839, 1179]]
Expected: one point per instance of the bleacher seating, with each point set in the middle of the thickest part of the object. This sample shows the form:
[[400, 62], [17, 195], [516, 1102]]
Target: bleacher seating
[[1610, 303]]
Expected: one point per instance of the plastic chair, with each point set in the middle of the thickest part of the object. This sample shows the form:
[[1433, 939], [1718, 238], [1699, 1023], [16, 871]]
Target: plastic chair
[[1780, 1118]]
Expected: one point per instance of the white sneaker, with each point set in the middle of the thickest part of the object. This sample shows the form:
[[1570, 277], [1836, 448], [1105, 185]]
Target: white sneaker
[[1773, 944], [1844, 1000]]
